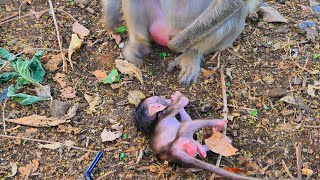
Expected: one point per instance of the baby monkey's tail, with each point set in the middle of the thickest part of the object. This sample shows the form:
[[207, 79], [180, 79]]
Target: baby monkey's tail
[[111, 13]]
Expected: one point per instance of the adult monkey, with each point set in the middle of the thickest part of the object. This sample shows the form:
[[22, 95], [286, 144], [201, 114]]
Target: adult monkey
[[198, 27]]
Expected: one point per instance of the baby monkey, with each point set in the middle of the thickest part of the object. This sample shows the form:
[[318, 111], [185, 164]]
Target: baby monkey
[[172, 139]]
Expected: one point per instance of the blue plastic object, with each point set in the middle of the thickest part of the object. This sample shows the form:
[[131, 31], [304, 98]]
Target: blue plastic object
[[3, 95], [304, 24], [92, 165]]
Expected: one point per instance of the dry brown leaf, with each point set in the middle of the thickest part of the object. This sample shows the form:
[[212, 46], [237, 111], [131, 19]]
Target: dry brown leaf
[[52, 146], [218, 144], [14, 170], [43, 91], [268, 79], [312, 88], [68, 92], [207, 73], [30, 168], [59, 78], [135, 97], [109, 135], [80, 30], [75, 44], [117, 38], [68, 129], [68, 143], [100, 75], [128, 68], [37, 14], [31, 130], [93, 102], [72, 111], [38, 121], [296, 101], [54, 62], [307, 172], [116, 85], [253, 165]]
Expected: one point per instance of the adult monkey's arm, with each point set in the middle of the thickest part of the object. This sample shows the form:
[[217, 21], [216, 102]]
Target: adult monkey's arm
[[212, 18]]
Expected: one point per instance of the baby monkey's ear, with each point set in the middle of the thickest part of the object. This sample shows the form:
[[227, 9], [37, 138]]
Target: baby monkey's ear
[[155, 108]]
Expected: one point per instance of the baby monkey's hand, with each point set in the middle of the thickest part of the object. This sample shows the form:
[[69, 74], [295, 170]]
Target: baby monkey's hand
[[178, 97]]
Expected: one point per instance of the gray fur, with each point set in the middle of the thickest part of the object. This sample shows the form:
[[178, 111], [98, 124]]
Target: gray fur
[[198, 27]]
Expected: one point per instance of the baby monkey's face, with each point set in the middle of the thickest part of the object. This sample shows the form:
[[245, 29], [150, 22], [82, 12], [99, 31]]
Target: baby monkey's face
[[156, 104]]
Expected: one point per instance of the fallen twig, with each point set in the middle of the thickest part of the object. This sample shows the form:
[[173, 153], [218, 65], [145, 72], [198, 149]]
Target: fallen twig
[[299, 161], [45, 141], [139, 156], [105, 175], [64, 66], [225, 108], [309, 126], [15, 16], [286, 169], [9, 17], [235, 54]]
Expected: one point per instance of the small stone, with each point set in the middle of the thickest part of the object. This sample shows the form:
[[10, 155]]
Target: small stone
[[296, 81], [84, 2], [205, 108], [234, 133], [121, 45], [277, 92]]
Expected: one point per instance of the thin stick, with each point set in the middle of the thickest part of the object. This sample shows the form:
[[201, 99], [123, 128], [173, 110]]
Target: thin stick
[[9, 17], [11, 59], [15, 16], [237, 107], [105, 175], [286, 169], [45, 141], [307, 126], [23, 2], [299, 161], [47, 49], [64, 66], [225, 108], [235, 54]]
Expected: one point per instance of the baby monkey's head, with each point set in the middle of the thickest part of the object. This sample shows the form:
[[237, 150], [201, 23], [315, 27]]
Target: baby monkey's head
[[146, 113]]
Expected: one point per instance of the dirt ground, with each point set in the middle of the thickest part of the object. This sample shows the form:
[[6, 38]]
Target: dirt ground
[[262, 59]]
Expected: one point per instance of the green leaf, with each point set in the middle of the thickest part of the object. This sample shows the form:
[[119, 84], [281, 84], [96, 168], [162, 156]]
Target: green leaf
[[265, 107], [7, 76], [121, 29], [23, 99], [112, 77], [23, 70], [2, 62], [254, 112], [5, 54], [316, 56], [122, 155], [36, 70], [163, 55], [228, 84]]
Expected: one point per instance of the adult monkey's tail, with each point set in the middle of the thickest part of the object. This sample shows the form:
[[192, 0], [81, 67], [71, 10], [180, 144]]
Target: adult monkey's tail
[[111, 13]]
